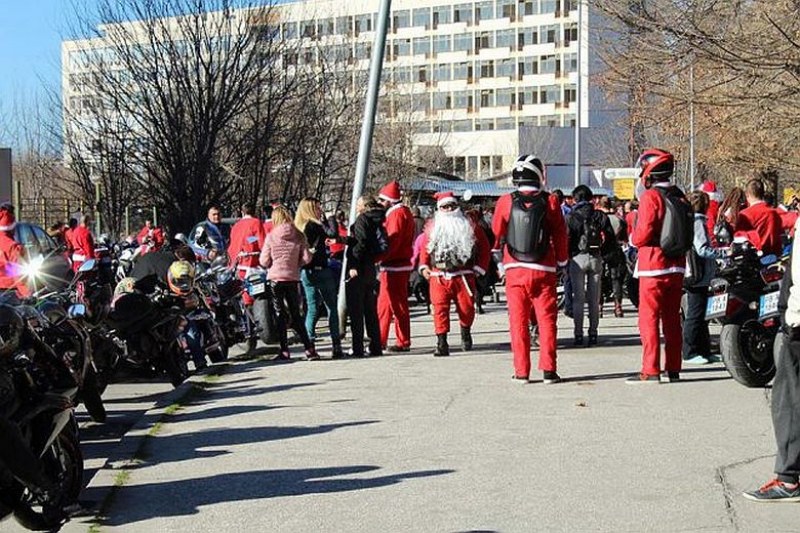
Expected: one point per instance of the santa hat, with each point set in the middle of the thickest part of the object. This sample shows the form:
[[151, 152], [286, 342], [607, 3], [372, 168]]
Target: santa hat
[[7, 219], [710, 188], [444, 198], [390, 192]]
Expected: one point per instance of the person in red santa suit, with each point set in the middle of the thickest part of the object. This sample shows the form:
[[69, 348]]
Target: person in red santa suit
[[247, 239], [395, 269], [660, 276], [759, 222], [150, 238], [12, 254], [715, 198], [82, 243], [531, 245], [452, 253]]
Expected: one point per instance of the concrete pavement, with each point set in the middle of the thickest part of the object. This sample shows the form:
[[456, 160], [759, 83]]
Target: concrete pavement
[[416, 443]]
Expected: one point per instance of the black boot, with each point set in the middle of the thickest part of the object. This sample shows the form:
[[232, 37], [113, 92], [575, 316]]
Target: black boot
[[442, 348], [466, 339], [338, 353]]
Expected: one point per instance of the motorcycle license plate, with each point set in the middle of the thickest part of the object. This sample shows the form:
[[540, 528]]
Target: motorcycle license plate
[[717, 306], [257, 288], [768, 305]]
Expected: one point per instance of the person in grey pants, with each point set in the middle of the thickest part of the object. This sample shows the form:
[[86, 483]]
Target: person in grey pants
[[590, 236]]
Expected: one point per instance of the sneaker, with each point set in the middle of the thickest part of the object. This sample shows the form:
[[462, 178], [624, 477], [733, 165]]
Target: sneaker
[[713, 358], [520, 379], [670, 377], [775, 491], [284, 356], [312, 355], [550, 377], [696, 360], [399, 349], [643, 379]]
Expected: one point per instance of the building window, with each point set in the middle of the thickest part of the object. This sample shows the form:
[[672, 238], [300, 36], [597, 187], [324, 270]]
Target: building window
[[569, 93], [363, 50], [459, 165], [571, 62], [462, 71], [497, 160], [570, 34], [528, 36], [401, 19], [487, 98], [549, 33], [441, 72], [528, 96], [325, 27], [505, 39], [484, 11], [442, 43], [505, 68], [506, 9], [290, 30], [484, 125], [462, 13], [422, 127], [547, 65], [402, 75], [552, 121], [569, 120], [308, 29], [487, 69], [570, 5], [472, 164], [402, 47], [548, 6], [528, 66], [442, 101], [422, 17], [462, 100], [505, 97], [485, 159], [422, 74], [462, 42], [422, 46], [344, 25], [550, 94], [529, 7], [504, 124], [483, 40], [442, 15], [363, 23]]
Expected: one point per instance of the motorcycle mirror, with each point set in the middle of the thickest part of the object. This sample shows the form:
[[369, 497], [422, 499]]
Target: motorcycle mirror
[[87, 266], [467, 196], [77, 311]]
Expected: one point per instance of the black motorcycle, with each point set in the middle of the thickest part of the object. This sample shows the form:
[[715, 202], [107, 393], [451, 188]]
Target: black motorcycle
[[42, 409], [222, 290], [744, 299], [151, 326]]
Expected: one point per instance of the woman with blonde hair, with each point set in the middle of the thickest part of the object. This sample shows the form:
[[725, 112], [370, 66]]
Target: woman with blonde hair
[[284, 252], [317, 276]]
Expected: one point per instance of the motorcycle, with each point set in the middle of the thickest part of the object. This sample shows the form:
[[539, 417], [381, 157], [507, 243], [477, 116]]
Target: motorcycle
[[42, 409], [744, 299], [256, 286], [151, 326], [212, 337]]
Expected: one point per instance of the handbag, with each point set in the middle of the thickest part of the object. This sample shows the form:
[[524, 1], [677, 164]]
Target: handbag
[[695, 269]]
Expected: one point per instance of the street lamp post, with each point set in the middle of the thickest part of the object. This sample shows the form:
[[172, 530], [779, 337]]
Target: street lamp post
[[578, 91], [94, 177]]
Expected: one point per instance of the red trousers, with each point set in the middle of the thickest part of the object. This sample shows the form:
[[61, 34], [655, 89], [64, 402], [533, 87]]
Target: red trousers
[[443, 291], [393, 305], [532, 294], [660, 303]]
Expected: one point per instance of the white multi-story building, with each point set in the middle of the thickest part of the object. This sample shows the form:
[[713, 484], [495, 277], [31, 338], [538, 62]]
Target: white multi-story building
[[468, 75]]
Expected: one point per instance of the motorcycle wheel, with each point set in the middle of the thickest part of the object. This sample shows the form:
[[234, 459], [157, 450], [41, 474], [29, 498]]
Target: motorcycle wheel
[[175, 364], [221, 353], [262, 312], [90, 393], [747, 351]]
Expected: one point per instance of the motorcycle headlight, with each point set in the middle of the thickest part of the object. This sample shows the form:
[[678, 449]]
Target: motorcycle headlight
[[32, 270]]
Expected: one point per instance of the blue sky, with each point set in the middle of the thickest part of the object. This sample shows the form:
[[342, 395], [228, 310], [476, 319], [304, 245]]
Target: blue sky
[[30, 41]]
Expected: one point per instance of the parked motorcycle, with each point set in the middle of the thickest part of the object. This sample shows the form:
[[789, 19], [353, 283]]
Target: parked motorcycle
[[744, 299], [222, 291], [256, 286], [42, 409]]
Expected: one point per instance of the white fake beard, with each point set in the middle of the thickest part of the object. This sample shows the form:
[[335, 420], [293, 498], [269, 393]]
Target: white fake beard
[[452, 237]]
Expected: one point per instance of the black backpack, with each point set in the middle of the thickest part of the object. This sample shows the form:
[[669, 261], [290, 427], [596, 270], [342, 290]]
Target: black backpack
[[591, 239], [677, 233], [527, 237]]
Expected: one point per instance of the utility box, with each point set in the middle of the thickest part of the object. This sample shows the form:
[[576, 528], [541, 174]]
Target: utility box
[[5, 174]]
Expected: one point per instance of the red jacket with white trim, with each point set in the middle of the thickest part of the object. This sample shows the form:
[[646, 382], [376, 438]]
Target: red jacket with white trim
[[761, 224], [82, 245], [478, 264], [557, 255], [646, 236], [247, 238], [400, 227], [12, 254]]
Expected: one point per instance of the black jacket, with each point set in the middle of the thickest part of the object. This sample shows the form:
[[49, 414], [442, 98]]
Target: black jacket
[[316, 234], [575, 228], [361, 252]]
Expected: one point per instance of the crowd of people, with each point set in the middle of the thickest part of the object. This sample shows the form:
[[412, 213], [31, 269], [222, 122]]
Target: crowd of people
[[531, 239]]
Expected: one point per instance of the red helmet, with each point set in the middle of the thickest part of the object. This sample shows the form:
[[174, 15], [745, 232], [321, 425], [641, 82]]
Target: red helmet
[[655, 164]]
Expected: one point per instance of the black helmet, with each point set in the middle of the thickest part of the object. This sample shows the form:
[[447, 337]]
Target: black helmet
[[528, 170], [655, 164]]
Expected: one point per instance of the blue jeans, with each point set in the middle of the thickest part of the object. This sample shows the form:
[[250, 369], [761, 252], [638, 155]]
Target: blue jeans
[[322, 283]]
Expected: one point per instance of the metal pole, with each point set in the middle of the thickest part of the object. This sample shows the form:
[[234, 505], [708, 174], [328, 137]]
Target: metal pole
[[155, 216], [367, 126], [691, 123], [127, 220], [18, 198], [97, 209], [578, 90]]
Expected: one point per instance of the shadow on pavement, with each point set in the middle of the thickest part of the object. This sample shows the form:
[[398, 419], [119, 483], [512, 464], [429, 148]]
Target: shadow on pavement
[[159, 499], [219, 412], [186, 446]]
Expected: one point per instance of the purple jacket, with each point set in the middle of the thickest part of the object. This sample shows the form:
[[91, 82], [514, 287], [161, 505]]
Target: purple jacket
[[285, 251]]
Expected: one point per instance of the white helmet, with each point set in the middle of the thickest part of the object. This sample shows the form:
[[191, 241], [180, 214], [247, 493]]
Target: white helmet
[[182, 238]]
